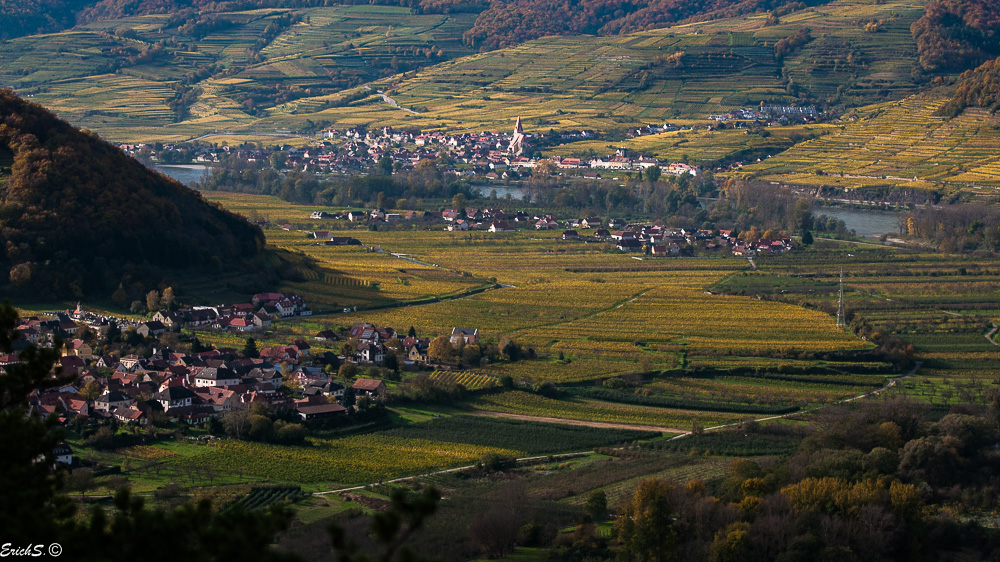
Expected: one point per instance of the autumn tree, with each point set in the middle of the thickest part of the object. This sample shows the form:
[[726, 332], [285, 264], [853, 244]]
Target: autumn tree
[[645, 526], [440, 349], [153, 301], [167, 300], [91, 390]]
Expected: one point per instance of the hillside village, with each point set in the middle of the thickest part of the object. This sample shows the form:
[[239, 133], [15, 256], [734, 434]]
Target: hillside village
[[192, 388]]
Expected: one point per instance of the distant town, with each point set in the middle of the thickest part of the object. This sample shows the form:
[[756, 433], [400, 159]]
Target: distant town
[[484, 155]]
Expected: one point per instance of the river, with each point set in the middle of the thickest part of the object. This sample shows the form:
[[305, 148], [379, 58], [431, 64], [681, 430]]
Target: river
[[868, 224], [186, 174]]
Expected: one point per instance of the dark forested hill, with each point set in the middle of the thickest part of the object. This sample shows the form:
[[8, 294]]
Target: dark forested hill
[[77, 216], [26, 17]]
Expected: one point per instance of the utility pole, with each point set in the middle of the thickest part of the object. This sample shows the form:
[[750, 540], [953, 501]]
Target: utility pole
[[841, 323]]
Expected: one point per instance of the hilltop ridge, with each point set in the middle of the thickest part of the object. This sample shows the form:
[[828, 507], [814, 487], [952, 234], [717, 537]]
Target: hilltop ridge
[[77, 216]]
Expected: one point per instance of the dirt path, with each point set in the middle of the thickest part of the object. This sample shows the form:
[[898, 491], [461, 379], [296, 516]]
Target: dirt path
[[879, 390], [989, 335], [581, 423], [683, 432], [447, 470]]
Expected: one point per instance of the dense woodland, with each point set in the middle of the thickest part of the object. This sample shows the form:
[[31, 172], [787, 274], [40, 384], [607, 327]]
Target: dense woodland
[[976, 88], [77, 215], [954, 35], [25, 17], [957, 228]]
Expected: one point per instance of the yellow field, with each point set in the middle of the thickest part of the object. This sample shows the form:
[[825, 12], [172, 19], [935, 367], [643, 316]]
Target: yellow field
[[604, 311]]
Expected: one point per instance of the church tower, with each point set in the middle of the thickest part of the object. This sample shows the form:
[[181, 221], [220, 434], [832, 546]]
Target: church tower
[[517, 141]]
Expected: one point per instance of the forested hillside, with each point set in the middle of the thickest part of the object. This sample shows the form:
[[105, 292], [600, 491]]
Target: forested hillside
[[976, 88], [25, 17], [77, 215], [954, 35]]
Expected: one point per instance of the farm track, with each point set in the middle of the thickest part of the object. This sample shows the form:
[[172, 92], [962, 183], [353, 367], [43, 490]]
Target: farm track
[[391, 101], [989, 336], [617, 305], [684, 434], [446, 471], [888, 385], [403, 304], [581, 423]]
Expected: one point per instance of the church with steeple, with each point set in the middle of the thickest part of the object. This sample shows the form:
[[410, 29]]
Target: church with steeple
[[517, 141]]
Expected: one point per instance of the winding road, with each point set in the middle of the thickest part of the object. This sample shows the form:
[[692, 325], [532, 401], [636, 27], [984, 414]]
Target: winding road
[[391, 101]]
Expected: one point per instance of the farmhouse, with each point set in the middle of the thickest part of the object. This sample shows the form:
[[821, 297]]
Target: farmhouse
[[151, 328], [111, 399], [320, 411], [464, 335], [500, 226], [370, 387], [211, 376], [174, 397]]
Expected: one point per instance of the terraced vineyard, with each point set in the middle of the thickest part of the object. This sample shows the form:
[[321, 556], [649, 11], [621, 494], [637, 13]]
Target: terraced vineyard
[[469, 379], [702, 147], [606, 83], [328, 50], [900, 144]]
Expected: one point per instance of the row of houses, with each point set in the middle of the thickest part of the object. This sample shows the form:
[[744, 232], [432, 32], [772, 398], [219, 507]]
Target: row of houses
[[374, 343], [256, 315], [189, 388]]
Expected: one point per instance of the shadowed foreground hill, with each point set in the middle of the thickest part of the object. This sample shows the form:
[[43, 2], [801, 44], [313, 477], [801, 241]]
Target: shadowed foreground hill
[[77, 216]]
